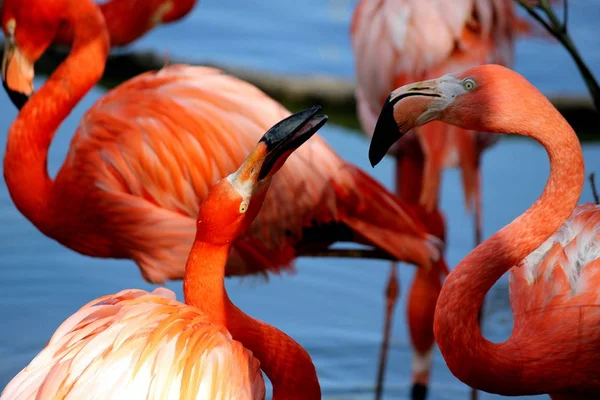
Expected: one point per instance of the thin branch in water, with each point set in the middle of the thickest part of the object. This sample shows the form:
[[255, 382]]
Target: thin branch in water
[[348, 253], [594, 191], [559, 31]]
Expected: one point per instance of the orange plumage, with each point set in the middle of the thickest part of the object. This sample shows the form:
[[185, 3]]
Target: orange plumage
[[146, 153], [138, 345]]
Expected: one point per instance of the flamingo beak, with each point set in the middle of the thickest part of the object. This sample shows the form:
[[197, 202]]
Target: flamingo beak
[[286, 136], [17, 73], [277, 144], [394, 121]]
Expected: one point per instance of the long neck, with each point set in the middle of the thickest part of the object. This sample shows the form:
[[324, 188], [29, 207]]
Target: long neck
[[286, 363], [498, 368], [25, 162]]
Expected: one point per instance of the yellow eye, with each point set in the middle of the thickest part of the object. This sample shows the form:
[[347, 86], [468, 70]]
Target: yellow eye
[[243, 207], [469, 84]]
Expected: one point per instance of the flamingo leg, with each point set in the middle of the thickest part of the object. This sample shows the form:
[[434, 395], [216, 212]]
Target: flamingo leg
[[392, 292]]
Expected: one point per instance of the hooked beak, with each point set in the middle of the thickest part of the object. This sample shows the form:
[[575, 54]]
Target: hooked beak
[[279, 143], [17, 73], [395, 121]]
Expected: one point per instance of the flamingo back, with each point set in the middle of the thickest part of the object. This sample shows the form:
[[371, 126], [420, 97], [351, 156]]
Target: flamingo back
[[146, 154], [564, 269], [555, 297], [139, 345]]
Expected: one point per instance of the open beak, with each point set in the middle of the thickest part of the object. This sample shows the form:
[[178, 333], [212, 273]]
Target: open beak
[[279, 143], [397, 119], [17, 74]]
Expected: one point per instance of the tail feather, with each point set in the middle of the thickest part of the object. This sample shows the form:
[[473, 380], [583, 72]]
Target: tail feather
[[380, 219]]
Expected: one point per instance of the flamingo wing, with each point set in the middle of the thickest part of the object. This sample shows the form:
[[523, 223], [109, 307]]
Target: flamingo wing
[[148, 151], [139, 345], [565, 269]]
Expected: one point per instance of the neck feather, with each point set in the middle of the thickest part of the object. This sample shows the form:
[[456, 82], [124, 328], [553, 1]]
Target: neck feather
[[25, 162], [286, 363], [500, 368]]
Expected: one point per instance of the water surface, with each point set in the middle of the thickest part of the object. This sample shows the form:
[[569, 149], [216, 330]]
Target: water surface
[[333, 308]]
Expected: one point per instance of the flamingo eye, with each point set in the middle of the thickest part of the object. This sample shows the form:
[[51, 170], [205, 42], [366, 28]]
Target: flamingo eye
[[243, 207], [469, 84]]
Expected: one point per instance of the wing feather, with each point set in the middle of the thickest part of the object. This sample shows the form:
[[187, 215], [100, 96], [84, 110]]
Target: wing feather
[[139, 346], [564, 269], [150, 149]]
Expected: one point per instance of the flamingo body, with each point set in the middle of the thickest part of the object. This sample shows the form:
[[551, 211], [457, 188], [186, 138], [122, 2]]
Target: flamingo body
[[551, 250], [147, 152], [143, 346], [555, 295]]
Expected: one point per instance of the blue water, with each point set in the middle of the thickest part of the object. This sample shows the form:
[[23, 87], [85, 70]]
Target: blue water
[[311, 37], [333, 308]]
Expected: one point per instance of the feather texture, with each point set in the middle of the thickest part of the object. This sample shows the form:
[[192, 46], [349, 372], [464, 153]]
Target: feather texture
[[397, 42], [145, 155], [144, 346]]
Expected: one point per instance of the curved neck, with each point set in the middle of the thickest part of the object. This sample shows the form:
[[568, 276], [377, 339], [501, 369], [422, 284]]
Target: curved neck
[[456, 327], [29, 137], [285, 362]]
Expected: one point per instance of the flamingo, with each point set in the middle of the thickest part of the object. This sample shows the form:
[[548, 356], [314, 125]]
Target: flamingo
[[552, 250], [128, 20], [140, 345], [399, 41], [145, 155]]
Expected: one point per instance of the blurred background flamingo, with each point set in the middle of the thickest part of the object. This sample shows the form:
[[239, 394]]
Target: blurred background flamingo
[[552, 249], [135, 344], [399, 41]]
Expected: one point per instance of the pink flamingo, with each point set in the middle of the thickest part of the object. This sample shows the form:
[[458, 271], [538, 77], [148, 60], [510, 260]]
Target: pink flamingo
[[552, 250], [140, 345], [399, 41], [396, 42]]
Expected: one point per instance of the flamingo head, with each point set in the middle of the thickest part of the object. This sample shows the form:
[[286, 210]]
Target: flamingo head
[[29, 27], [463, 99], [232, 203]]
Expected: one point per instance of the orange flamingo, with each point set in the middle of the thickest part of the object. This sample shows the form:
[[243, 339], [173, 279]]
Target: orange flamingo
[[399, 41], [551, 250], [136, 344], [145, 155], [128, 20]]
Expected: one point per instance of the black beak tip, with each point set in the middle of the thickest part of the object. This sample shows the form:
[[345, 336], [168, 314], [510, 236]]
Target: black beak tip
[[19, 99], [289, 134], [288, 126], [385, 133], [375, 154]]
